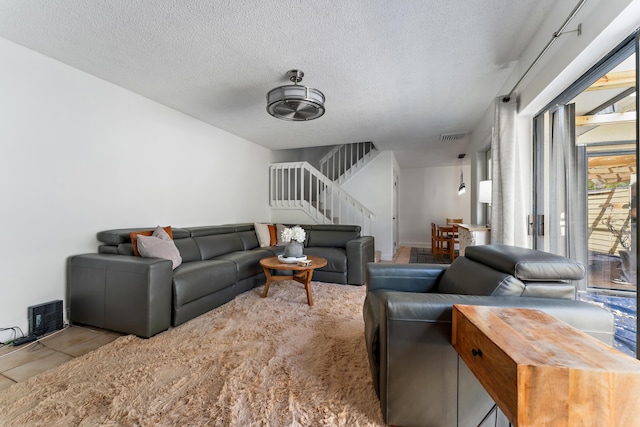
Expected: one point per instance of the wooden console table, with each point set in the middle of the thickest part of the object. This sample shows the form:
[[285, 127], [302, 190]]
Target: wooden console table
[[541, 371]]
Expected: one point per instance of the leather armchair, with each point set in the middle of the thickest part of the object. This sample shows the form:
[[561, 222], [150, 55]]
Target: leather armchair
[[418, 376]]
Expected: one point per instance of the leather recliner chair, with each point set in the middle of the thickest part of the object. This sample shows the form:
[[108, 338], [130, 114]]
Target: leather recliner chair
[[418, 375]]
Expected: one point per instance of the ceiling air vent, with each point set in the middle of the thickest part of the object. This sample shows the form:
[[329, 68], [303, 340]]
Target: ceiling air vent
[[452, 136]]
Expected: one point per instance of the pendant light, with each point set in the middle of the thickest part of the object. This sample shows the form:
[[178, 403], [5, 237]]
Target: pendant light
[[462, 188]]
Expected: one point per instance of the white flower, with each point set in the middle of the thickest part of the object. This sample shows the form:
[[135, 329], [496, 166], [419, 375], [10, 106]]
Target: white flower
[[296, 233]]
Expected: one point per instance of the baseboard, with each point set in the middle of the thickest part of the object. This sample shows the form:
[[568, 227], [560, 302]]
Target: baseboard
[[416, 244]]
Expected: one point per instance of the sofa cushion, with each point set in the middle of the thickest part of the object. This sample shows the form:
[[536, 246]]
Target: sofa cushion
[[209, 230], [188, 249], [195, 280], [247, 262], [468, 277], [218, 244], [121, 235], [336, 257], [527, 264], [331, 236], [250, 240]]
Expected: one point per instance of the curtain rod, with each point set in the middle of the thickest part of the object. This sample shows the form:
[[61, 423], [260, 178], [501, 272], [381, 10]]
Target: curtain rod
[[555, 35]]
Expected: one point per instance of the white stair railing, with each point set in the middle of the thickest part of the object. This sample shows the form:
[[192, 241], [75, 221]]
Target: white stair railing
[[343, 160], [298, 185]]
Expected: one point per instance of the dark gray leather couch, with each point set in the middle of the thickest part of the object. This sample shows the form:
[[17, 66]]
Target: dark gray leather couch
[[418, 376], [116, 290]]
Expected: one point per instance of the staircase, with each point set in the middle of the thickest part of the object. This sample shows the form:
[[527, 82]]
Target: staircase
[[344, 160], [298, 185]]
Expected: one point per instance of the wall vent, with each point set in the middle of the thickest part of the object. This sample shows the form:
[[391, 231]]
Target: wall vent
[[45, 318], [452, 136]]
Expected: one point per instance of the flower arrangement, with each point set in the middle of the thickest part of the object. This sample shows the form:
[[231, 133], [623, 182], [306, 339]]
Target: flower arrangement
[[296, 233]]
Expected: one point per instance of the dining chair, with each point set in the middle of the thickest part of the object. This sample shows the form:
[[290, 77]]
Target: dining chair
[[454, 239], [434, 232], [444, 236], [438, 241], [454, 220]]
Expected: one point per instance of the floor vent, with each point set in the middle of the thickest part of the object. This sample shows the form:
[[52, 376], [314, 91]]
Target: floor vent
[[45, 318]]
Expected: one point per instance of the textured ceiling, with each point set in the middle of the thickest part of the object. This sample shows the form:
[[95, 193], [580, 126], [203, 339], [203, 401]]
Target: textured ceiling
[[398, 73]]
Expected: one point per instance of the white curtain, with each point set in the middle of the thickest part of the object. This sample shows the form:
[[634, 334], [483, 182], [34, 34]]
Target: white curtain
[[508, 215]]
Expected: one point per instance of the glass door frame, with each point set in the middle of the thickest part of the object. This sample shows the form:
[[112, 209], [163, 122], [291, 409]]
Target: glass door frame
[[541, 126], [629, 46]]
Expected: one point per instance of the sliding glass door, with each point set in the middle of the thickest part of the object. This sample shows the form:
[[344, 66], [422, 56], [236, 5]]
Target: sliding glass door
[[584, 203]]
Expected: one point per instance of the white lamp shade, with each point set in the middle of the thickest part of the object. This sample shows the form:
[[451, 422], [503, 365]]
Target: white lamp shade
[[484, 192]]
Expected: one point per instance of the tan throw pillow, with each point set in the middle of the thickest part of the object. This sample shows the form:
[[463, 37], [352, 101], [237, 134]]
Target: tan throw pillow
[[134, 237], [157, 247], [262, 232]]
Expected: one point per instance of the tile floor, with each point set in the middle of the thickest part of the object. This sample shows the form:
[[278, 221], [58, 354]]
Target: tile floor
[[22, 362]]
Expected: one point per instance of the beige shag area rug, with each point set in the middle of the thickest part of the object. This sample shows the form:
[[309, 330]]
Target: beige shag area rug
[[252, 362]]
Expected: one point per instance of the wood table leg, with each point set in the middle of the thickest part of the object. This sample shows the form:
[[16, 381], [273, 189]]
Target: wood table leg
[[305, 278], [307, 286], [267, 273]]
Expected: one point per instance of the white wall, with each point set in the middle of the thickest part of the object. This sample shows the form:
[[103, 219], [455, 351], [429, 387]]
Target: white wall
[[81, 155], [430, 195], [373, 187]]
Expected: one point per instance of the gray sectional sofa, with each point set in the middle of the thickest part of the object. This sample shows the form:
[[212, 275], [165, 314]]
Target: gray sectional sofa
[[115, 290], [417, 374]]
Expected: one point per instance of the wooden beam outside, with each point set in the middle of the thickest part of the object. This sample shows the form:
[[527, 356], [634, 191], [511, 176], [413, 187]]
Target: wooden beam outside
[[606, 119], [615, 80]]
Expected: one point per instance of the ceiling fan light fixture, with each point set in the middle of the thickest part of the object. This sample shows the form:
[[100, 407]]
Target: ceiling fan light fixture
[[295, 102]]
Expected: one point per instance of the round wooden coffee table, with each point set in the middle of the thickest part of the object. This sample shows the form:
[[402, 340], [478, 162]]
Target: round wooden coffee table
[[301, 274]]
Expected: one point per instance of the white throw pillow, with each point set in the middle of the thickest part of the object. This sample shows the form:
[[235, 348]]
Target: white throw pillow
[[262, 232], [155, 247]]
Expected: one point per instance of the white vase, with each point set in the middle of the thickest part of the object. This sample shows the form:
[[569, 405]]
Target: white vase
[[293, 250]]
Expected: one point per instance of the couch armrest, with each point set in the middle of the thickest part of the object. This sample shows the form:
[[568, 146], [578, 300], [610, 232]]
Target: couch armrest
[[360, 251], [120, 293], [404, 277]]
